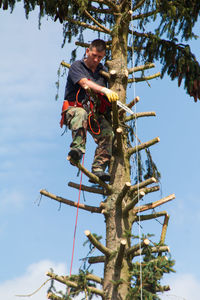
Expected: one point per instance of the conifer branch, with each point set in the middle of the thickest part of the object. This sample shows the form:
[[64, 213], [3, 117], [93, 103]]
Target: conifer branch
[[101, 10], [66, 280], [96, 259], [141, 68], [138, 5], [154, 204], [109, 3], [137, 247], [145, 78], [89, 16], [97, 244], [133, 202], [151, 189], [87, 188], [94, 178], [140, 115], [120, 255], [145, 15], [64, 64], [92, 209], [53, 296], [85, 25], [142, 146], [141, 185], [157, 249], [164, 229], [150, 217], [123, 193]]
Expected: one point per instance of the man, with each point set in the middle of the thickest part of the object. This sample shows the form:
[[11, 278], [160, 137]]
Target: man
[[84, 74]]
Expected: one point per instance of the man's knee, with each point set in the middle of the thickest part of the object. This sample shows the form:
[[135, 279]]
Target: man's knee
[[76, 117]]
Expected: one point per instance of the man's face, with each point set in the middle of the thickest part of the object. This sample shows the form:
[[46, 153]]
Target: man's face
[[94, 57]]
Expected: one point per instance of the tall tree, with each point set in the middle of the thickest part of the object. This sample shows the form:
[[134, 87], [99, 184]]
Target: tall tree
[[125, 26]]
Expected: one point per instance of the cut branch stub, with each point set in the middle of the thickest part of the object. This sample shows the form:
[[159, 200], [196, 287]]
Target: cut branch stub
[[121, 253], [123, 193], [154, 204], [135, 200], [142, 146], [92, 209], [96, 259], [87, 188], [137, 247], [97, 244]]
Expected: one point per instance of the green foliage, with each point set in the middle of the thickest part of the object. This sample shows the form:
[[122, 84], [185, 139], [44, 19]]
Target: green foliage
[[148, 275], [173, 20]]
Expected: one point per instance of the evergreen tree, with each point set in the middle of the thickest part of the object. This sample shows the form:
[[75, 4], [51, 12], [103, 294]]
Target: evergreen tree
[[125, 25]]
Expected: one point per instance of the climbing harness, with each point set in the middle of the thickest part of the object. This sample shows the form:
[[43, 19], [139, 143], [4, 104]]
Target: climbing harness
[[101, 107]]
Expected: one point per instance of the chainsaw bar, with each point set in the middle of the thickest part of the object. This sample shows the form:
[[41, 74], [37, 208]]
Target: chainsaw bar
[[124, 107]]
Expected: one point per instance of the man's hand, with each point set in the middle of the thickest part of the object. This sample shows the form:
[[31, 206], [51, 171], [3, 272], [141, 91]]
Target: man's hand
[[112, 96]]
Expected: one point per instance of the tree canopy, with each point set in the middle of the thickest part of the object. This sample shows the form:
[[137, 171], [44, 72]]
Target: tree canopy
[[164, 41]]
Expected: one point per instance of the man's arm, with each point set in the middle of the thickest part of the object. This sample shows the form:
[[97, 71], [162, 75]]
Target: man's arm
[[85, 83]]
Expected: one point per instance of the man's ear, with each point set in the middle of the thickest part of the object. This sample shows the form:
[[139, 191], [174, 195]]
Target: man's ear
[[87, 51]]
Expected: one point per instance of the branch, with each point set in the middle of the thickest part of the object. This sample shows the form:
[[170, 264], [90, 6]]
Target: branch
[[96, 259], [146, 15], [141, 68], [164, 229], [95, 178], [88, 15], [150, 217], [120, 256], [109, 3], [158, 249], [138, 5], [66, 280], [142, 184], [101, 10], [154, 204], [123, 193], [137, 247], [142, 146], [92, 209], [133, 202], [87, 188], [97, 244], [151, 189], [53, 297], [140, 115], [85, 25], [145, 78]]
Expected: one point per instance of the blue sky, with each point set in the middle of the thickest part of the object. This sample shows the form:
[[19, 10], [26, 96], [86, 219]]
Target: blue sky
[[36, 234]]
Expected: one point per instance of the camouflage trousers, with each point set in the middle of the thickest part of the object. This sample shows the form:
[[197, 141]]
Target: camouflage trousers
[[76, 118]]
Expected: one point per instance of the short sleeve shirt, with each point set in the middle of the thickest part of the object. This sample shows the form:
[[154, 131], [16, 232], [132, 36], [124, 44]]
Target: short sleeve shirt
[[77, 71]]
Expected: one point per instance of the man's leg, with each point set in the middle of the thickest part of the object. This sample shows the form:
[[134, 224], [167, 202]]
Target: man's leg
[[103, 151], [76, 120]]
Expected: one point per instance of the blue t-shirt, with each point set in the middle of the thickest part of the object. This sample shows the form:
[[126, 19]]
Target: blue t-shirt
[[77, 71]]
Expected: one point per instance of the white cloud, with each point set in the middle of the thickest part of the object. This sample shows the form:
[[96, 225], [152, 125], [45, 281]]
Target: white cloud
[[32, 280], [183, 287], [29, 282]]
